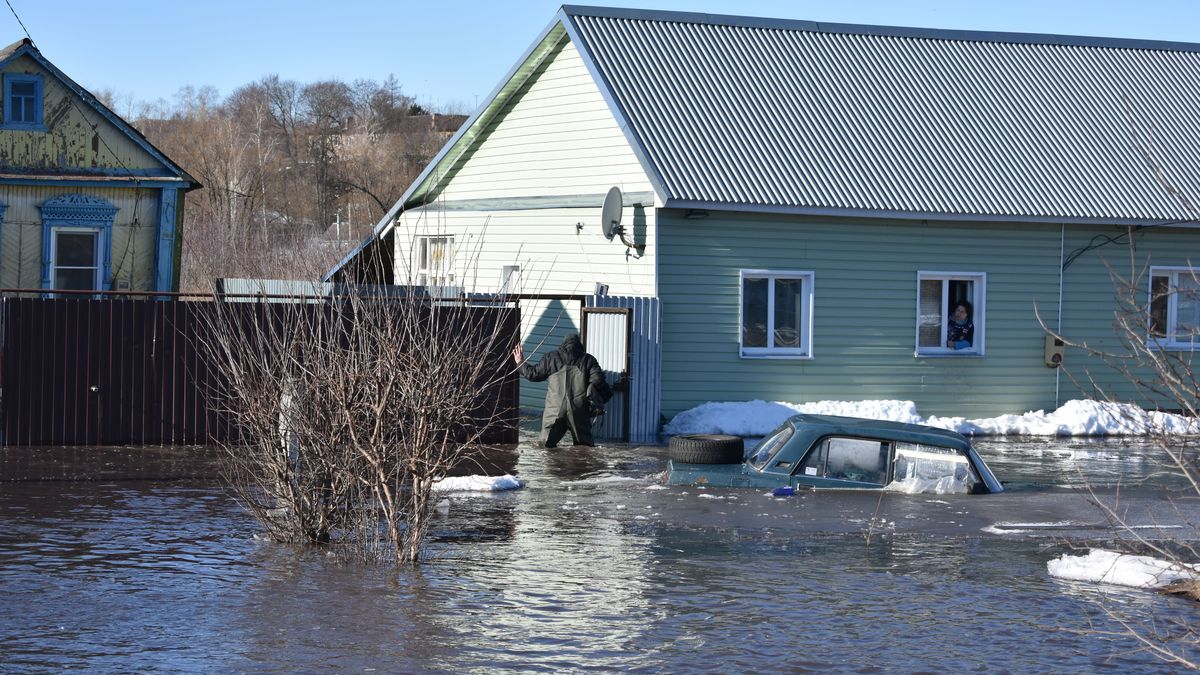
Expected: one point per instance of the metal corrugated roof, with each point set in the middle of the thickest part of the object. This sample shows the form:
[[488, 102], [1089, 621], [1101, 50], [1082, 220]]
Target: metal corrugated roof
[[774, 115]]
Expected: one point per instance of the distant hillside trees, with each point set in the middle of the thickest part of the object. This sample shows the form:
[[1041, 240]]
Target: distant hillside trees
[[293, 173]]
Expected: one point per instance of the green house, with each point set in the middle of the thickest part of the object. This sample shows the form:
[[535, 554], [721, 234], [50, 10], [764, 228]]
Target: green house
[[805, 206]]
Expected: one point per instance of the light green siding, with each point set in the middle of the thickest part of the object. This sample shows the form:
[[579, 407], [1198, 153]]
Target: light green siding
[[864, 308], [543, 167], [1090, 310]]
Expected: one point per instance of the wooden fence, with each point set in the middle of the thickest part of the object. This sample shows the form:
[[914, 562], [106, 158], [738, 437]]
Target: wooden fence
[[128, 370]]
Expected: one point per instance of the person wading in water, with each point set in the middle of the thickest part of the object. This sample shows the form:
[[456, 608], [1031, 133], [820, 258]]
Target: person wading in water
[[576, 392]]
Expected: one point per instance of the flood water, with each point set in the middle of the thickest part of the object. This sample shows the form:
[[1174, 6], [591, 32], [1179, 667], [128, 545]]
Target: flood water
[[593, 566]]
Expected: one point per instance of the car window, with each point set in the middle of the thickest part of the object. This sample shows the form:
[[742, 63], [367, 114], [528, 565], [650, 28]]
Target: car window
[[932, 468], [854, 459], [770, 445]]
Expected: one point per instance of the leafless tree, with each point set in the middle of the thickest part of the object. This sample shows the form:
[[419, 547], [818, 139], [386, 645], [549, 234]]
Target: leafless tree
[[281, 162]]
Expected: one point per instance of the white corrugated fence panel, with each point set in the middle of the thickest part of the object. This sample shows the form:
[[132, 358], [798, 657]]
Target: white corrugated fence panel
[[644, 363]]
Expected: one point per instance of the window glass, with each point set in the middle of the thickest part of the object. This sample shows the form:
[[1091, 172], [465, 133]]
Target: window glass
[[949, 313], [75, 263], [754, 312], [76, 249], [1175, 307], [22, 105], [852, 459], [1160, 297], [930, 310], [1187, 319], [435, 261], [23, 101], [776, 313], [74, 279], [788, 312], [769, 446], [814, 461], [931, 468]]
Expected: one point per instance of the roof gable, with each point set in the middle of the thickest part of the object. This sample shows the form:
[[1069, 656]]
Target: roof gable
[[76, 101], [795, 116]]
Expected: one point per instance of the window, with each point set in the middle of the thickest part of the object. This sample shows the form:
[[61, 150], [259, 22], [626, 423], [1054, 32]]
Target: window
[[77, 242], [510, 280], [75, 259], [853, 459], [950, 313], [770, 446], [932, 468], [1175, 307], [23, 101], [435, 261], [776, 314]]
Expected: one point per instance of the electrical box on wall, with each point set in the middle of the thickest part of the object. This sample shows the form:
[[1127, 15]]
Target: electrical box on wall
[[1055, 348]]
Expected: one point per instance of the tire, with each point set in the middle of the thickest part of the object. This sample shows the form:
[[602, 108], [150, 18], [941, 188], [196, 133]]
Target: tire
[[706, 449]]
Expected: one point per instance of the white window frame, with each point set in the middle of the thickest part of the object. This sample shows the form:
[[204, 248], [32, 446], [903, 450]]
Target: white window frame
[[97, 249], [806, 315], [979, 313], [445, 275], [1172, 273]]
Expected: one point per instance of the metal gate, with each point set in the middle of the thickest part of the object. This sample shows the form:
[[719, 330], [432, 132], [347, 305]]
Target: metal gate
[[607, 336]]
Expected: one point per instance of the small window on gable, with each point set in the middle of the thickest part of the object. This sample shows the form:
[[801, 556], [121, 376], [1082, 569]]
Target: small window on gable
[[1175, 307], [435, 261], [776, 314], [23, 101], [950, 313]]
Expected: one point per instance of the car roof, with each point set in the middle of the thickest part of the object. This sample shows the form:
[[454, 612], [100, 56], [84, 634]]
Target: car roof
[[836, 425]]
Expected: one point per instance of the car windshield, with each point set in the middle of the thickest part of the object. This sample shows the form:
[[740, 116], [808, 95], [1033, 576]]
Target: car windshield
[[932, 469], [769, 445]]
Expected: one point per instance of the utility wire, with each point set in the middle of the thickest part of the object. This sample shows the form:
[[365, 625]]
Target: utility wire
[[1104, 239], [18, 18]]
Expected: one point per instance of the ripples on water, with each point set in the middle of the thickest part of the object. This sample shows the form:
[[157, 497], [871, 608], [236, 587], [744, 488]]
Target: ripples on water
[[589, 568]]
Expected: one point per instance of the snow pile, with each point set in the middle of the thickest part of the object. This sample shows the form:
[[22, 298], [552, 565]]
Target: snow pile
[[758, 418], [1075, 418], [478, 483], [1109, 567]]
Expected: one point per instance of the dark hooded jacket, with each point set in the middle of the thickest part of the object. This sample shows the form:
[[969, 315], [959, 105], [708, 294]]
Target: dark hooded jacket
[[576, 381]]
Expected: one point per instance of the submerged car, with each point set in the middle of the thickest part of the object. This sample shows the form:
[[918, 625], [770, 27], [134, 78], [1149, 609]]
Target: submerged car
[[827, 451]]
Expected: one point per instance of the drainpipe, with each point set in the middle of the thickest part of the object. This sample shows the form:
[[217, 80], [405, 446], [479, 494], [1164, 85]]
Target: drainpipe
[[1062, 247]]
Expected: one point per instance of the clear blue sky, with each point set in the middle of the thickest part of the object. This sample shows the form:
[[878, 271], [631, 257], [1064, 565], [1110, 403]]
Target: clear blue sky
[[453, 53]]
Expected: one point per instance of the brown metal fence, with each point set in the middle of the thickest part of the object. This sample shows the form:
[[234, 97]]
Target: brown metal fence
[[127, 370]]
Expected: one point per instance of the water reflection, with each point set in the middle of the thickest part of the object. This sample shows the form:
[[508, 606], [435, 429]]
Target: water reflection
[[592, 566]]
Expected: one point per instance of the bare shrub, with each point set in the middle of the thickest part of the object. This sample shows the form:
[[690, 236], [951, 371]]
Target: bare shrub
[[352, 408], [1163, 380]]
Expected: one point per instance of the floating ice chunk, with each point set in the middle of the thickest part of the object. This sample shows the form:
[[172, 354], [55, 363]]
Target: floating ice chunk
[[1110, 567], [478, 483]]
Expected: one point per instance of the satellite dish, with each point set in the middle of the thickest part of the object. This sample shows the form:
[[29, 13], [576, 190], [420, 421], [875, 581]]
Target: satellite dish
[[610, 215]]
